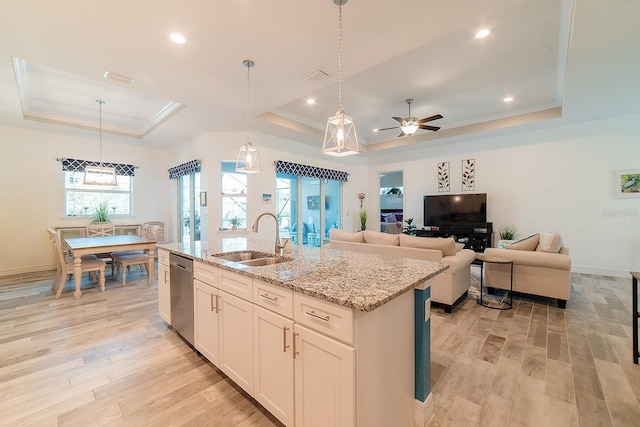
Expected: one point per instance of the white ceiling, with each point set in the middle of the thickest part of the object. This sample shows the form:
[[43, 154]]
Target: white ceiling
[[541, 52]]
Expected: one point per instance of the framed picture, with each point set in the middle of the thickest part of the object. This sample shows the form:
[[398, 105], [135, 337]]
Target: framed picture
[[313, 203], [203, 198], [266, 197], [627, 184], [469, 175], [443, 177]]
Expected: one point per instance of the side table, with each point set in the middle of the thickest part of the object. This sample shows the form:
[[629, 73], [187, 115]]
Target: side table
[[634, 291], [495, 260]]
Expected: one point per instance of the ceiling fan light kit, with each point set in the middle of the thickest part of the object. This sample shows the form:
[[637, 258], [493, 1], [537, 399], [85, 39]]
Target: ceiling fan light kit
[[340, 138], [248, 157], [100, 175], [410, 125]]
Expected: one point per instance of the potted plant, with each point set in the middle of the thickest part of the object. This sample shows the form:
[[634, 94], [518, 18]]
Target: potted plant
[[363, 219], [409, 228], [235, 222], [101, 214], [507, 235]]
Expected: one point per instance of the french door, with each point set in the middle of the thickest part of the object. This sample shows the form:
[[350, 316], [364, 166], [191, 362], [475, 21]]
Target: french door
[[188, 208]]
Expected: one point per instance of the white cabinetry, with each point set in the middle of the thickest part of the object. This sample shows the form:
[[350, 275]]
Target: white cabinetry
[[164, 288], [273, 363], [206, 320], [236, 340]]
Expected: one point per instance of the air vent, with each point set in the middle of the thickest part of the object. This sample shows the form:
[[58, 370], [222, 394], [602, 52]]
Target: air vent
[[316, 76], [120, 78]]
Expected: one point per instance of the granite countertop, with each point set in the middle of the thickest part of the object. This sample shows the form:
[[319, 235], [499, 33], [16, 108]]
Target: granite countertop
[[353, 279]]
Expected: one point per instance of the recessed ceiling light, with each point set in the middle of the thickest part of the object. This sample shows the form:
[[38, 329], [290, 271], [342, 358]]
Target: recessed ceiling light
[[508, 99], [482, 33], [311, 101], [177, 38], [376, 130]]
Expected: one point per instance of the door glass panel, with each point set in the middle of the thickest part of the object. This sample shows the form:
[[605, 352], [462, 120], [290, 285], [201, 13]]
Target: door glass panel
[[331, 206], [189, 212], [287, 205], [391, 202]]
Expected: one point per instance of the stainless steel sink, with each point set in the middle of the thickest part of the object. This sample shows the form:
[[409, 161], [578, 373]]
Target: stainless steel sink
[[253, 259]]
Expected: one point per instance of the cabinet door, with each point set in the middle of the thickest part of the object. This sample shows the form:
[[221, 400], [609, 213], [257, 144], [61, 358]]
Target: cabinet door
[[273, 363], [324, 380], [164, 293], [236, 340], [205, 320]]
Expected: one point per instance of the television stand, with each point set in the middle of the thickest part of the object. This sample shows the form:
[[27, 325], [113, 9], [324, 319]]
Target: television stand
[[476, 238]]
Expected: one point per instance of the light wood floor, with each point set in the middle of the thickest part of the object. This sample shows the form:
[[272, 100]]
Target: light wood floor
[[108, 359]]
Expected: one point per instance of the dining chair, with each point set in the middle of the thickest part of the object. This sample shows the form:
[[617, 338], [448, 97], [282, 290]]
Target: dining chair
[[66, 266], [99, 230], [125, 259]]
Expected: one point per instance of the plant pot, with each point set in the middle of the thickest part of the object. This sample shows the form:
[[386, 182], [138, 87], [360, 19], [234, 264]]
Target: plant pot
[[504, 243], [363, 227], [234, 228]]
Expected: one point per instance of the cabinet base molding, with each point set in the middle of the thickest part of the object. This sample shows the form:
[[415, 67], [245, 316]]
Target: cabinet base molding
[[423, 412]]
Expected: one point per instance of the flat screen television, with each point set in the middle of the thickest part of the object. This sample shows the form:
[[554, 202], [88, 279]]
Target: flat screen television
[[455, 210]]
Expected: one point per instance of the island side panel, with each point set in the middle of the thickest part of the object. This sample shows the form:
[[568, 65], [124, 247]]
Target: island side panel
[[385, 364], [422, 340]]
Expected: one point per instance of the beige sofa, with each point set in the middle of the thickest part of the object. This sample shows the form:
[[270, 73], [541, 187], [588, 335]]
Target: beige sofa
[[541, 266], [447, 287]]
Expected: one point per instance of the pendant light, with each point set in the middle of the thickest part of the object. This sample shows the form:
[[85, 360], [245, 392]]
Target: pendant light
[[248, 157], [340, 138], [100, 175]]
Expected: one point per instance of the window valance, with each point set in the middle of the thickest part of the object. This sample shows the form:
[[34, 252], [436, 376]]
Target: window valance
[[184, 169], [310, 171], [75, 165]]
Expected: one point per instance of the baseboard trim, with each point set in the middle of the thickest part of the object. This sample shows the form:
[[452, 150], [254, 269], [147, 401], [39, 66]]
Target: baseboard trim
[[23, 270], [423, 412]]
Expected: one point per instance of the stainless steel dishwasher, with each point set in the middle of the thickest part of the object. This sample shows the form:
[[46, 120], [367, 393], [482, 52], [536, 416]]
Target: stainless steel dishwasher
[[181, 274]]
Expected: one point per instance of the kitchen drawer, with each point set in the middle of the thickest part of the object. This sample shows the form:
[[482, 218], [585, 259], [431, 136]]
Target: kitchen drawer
[[274, 298], [163, 257], [206, 273], [236, 284], [327, 318]]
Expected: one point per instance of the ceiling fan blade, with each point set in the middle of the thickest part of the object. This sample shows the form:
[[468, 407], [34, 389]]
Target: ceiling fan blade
[[428, 119], [401, 134], [427, 127], [397, 119], [396, 127]]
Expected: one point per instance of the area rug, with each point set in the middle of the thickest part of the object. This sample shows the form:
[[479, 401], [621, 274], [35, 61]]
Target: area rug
[[495, 299]]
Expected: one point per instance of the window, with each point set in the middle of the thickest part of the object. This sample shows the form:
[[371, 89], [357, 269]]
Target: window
[[82, 200], [234, 197]]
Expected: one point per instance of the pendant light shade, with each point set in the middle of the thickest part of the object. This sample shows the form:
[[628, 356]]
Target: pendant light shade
[[248, 157], [340, 137], [100, 175]]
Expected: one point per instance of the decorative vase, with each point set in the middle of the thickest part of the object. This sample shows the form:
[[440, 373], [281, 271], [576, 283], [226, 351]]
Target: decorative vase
[[363, 227]]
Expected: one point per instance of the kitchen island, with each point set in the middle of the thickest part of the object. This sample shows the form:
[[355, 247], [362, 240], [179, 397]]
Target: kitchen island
[[319, 337]]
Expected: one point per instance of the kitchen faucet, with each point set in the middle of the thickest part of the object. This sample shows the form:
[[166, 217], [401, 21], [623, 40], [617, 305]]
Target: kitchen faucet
[[254, 228]]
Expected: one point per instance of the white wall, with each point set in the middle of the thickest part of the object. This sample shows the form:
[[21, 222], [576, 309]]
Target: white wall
[[213, 148], [560, 178], [32, 197]]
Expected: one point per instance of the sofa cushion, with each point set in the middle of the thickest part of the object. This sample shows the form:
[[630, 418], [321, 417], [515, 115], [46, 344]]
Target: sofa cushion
[[445, 245], [378, 238], [527, 244], [549, 242], [345, 236]]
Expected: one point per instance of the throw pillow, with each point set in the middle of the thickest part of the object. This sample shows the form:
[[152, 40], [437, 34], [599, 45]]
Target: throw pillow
[[549, 242], [378, 238], [446, 245], [459, 246], [527, 244], [345, 236]]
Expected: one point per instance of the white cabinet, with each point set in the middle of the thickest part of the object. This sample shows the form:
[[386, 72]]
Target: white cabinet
[[236, 340], [324, 380], [206, 320], [273, 363], [164, 288]]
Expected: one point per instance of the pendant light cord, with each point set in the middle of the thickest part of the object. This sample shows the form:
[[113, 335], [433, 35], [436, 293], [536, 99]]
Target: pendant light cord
[[99, 101], [340, 58], [249, 64]]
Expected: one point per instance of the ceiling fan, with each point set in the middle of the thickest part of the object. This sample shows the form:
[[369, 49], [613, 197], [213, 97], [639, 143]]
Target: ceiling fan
[[409, 125]]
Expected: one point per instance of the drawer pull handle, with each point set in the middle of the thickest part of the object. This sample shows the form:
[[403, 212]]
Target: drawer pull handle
[[212, 308], [270, 298], [217, 304], [318, 316], [284, 339], [295, 334]]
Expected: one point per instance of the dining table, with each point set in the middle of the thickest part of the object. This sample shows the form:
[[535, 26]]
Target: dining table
[[102, 244]]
